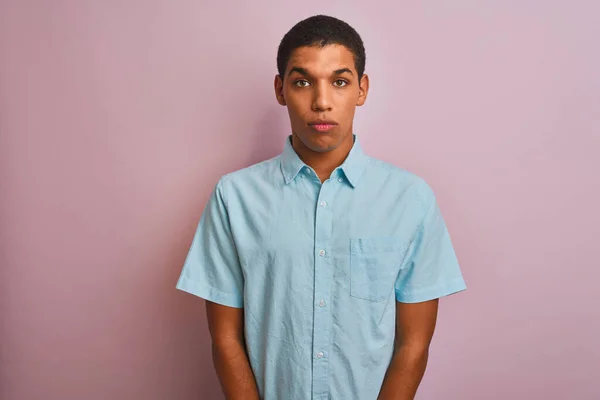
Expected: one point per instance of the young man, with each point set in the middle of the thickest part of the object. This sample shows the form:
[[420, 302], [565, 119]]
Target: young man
[[321, 267]]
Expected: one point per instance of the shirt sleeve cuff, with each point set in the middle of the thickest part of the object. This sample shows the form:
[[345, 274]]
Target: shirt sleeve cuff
[[210, 293], [430, 293]]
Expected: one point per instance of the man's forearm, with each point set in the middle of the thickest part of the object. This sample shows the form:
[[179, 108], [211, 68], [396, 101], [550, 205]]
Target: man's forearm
[[404, 374], [234, 372]]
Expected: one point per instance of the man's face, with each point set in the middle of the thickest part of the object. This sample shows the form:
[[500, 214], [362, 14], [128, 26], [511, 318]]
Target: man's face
[[321, 91]]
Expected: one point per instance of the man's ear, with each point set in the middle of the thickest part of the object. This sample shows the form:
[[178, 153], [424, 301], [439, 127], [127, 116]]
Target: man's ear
[[363, 90], [278, 84]]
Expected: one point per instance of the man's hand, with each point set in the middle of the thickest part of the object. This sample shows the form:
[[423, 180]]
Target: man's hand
[[226, 325], [415, 324]]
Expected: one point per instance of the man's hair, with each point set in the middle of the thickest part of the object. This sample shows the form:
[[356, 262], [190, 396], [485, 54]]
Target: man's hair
[[321, 31]]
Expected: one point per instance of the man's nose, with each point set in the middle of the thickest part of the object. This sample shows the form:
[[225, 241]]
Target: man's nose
[[322, 98]]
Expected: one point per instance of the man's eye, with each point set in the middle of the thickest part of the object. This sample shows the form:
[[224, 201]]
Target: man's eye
[[340, 83], [302, 83]]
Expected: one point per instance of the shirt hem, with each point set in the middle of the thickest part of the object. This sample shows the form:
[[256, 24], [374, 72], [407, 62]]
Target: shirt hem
[[445, 289], [209, 293]]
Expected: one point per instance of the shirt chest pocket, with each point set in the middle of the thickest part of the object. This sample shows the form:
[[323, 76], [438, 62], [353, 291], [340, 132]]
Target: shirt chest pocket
[[374, 265]]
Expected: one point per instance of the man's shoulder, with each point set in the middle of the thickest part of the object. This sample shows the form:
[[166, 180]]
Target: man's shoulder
[[393, 171], [400, 177], [263, 170]]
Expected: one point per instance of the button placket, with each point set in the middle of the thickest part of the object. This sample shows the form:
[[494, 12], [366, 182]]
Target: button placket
[[323, 279]]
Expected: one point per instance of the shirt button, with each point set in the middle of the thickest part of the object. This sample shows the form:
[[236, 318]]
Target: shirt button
[[320, 354], [323, 203], [322, 303], [340, 180], [322, 253]]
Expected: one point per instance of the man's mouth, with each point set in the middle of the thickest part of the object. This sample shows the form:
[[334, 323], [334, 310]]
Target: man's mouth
[[322, 126]]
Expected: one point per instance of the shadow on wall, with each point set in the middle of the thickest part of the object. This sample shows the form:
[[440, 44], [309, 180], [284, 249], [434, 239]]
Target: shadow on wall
[[191, 341], [268, 136]]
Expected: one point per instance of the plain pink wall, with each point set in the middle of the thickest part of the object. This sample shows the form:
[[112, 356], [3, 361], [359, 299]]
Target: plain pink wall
[[117, 118]]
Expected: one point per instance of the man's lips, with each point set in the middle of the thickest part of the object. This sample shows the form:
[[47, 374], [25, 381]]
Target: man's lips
[[322, 126]]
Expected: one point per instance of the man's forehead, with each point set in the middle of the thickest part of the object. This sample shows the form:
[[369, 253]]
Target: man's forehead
[[332, 57]]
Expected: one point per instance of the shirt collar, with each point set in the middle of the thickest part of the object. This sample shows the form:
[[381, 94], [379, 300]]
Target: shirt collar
[[352, 167]]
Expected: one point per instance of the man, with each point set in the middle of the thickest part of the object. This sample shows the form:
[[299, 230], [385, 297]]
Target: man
[[321, 267]]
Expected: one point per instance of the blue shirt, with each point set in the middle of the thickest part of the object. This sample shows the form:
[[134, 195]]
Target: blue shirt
[[318, 268]]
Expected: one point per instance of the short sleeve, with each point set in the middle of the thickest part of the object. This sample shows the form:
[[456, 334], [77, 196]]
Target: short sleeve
[[431, 270], [212, 269]]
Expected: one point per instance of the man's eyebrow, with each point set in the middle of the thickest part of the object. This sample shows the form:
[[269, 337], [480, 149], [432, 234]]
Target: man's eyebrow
[[299, 70], [342, 70], [304, 72]]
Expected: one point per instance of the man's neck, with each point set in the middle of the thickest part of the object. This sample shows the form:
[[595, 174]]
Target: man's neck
[[323, 163]]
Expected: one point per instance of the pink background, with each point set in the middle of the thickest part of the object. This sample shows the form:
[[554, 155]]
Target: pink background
[[117, 118]]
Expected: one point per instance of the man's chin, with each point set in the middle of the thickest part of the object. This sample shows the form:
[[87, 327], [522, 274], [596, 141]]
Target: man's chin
[[321, 146], [320, 142]]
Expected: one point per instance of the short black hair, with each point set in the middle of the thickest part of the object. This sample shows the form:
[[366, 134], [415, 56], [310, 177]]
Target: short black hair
[[321, 30]]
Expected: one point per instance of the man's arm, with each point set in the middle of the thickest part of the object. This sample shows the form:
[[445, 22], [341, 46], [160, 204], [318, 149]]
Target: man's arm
[[415, 324], [226, 325]]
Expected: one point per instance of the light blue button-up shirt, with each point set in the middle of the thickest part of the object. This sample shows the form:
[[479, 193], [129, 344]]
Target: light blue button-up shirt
[[318, 268]]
